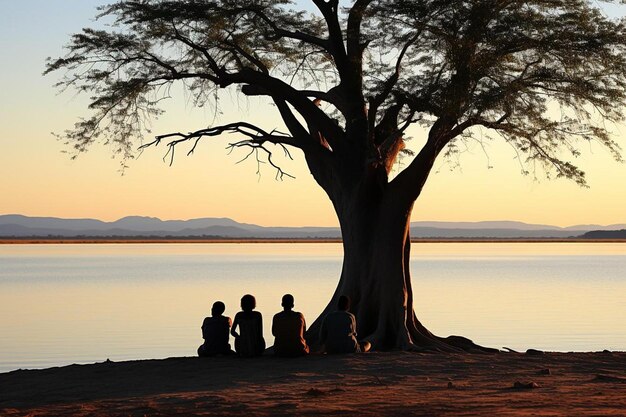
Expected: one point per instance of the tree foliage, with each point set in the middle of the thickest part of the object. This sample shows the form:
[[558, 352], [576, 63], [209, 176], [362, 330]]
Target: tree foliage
[[349, 80]]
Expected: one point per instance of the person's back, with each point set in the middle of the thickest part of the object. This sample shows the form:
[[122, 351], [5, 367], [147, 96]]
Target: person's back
[[338, 332], [288, 328], [215, 331], [249, 341]]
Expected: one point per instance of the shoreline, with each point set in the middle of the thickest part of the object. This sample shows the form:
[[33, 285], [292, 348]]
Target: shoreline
[[95, 241], [372, 384]]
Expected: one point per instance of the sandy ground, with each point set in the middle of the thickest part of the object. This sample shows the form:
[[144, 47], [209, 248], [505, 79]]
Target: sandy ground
[[373, 384]]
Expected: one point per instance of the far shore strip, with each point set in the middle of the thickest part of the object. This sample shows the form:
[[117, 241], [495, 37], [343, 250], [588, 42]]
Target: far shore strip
[[57, 241]]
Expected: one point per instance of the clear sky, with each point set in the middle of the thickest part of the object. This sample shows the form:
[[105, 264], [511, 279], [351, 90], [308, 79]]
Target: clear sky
[[38, 179]]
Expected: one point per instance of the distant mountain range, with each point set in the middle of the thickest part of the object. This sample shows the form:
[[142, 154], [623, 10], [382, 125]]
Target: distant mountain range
[[18, 226]]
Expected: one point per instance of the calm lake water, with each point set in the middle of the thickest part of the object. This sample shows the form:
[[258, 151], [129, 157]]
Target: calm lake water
[[63, 304]]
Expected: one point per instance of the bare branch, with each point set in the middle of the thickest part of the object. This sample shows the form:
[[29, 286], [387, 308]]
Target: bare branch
[[257, 138]]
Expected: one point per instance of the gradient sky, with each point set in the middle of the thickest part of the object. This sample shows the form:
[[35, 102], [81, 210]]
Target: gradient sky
[[38, 179]]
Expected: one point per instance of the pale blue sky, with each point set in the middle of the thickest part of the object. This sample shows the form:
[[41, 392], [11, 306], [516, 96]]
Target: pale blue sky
[[37, 179]]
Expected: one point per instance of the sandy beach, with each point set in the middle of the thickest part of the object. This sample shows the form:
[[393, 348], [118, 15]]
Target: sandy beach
[[373, 384]]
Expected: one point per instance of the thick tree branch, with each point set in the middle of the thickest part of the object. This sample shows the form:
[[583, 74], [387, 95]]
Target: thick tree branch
[[409, 183], [336, 47], [315, 117], [412, 179], [292, 123]]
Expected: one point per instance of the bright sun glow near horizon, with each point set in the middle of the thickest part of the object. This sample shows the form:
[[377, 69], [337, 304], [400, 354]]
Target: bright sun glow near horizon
[[38, 179]]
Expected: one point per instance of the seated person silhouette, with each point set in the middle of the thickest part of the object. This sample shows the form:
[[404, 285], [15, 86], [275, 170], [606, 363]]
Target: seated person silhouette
[[288, 328], [338, 332], [215, 332], [249, 341]]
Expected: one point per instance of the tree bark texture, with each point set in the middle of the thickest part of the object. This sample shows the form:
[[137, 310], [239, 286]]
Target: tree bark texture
[[376, 274]]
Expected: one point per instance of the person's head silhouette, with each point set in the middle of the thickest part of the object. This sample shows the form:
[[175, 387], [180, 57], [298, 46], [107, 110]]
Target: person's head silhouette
[[218, 309], [343, 303], [287, 302], [248, 302]]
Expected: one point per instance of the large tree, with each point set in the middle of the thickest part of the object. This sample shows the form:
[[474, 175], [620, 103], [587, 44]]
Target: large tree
[[348, 80]]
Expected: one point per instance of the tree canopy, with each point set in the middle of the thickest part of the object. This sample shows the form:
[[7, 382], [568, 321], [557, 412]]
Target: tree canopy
[[348, 81]]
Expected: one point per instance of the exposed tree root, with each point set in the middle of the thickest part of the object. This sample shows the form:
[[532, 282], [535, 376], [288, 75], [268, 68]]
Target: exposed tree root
[[412, 338]]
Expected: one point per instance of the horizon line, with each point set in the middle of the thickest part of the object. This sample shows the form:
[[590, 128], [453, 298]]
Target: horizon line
[[304, 226]]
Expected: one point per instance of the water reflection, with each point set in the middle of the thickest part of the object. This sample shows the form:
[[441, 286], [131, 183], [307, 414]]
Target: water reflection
[[61, 304]]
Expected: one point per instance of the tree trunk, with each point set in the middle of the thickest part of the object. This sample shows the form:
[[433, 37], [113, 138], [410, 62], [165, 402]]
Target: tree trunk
[[376, 277]]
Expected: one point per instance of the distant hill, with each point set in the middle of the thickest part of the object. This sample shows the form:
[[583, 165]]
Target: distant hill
[[18, 226], [605, 234], [132, 226]]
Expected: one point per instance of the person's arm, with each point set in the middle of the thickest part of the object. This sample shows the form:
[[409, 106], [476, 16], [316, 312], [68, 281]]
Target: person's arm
[[260, 318], [235, 324], [203, 327], [303, 323], [323, 332]]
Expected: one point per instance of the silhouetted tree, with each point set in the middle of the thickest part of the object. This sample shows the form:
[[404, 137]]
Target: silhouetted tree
[[544, 75]]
